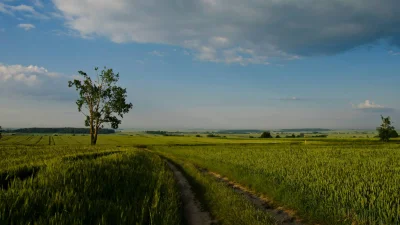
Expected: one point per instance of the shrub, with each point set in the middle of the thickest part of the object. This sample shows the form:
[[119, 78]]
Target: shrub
[[266, 134]]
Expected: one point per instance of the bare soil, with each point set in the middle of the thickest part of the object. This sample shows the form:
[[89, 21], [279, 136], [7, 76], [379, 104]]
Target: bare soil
[[191, 206]]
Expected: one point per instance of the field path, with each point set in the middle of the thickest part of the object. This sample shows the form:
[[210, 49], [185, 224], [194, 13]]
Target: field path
[[280, 215], [193, 213]]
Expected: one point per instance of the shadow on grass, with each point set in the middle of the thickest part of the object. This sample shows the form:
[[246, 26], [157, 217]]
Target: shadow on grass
[[22, 173], [89, 156]]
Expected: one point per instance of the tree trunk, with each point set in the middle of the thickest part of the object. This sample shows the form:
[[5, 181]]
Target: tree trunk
[[94, 136], [92, 139], [92, 131]]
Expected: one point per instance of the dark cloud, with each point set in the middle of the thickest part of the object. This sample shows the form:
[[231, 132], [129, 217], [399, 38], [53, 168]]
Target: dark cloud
[[222, 30]]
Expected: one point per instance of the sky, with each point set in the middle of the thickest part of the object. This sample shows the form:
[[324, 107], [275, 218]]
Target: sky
[[212, 64]]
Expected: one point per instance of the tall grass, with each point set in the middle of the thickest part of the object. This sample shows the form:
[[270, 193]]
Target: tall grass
[[225, 205], [123, 188], [330, 185]]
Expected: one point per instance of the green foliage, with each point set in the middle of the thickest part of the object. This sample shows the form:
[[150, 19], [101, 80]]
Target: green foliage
[[266, 134], [386, 130], [103, 99], [0, 132], [277, 136], [394, 134]]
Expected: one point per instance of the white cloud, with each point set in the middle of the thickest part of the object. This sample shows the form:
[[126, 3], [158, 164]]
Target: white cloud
[[140, 62], [38, 3], [156, 53], [3, 9], [25, 10], [291, 99], [214, 30], [34, 82], [26, 26], [391, 52], [368, 105], [28, 75]]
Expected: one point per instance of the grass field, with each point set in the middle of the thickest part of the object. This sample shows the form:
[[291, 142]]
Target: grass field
[[332, 184], [62, 180], [67, 185]]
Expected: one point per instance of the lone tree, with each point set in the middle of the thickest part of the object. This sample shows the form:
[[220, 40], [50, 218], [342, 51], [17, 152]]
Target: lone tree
[[0, 132], [266, 135], [386, 130], [102, 99]]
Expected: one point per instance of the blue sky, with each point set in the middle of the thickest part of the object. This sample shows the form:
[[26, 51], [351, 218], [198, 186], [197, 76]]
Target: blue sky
[[205, 63]]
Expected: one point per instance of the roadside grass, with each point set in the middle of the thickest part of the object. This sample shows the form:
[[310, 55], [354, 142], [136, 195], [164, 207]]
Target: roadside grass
[[132, 187], [225, 205], [335, 184]]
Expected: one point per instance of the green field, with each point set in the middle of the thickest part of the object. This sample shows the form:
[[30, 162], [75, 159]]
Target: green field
[[125, 179]]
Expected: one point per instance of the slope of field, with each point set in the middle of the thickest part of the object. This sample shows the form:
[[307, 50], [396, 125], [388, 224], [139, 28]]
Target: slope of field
[[336, 184]]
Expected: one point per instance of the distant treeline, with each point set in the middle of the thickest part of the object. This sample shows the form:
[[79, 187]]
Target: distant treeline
[[164, 133], [305, 130], [159, 132], [238, 131], [65, 130]]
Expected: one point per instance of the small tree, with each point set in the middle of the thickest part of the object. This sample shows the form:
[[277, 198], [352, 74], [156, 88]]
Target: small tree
[[0, 132], [103, 100], [277, 136], [266, 134], [386, 129]]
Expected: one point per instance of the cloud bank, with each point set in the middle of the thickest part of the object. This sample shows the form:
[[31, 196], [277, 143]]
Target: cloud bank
[[242, 32]]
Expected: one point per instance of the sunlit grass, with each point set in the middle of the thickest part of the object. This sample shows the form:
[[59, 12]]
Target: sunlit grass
[[336, 184]]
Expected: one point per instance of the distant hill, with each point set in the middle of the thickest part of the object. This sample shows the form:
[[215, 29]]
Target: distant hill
[[305, 130], [239, 131], [65, 130]]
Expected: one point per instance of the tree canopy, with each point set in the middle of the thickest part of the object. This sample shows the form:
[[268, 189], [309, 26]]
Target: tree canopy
[[386, 130], [266, 134], [101, 100]]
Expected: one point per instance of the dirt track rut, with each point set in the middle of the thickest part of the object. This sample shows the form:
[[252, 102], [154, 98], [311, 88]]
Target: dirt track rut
[[279, 214], [191, 206]]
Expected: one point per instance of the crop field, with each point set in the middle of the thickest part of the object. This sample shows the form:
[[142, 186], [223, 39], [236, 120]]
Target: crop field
[[85, 185], [125, 140], [333, 184], [47, 179]]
